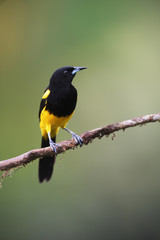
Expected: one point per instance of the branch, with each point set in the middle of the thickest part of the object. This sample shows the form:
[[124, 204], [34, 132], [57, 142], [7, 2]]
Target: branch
[[87, 138]]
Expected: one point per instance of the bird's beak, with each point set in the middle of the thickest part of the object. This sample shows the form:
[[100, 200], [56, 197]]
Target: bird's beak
[[77, 69]]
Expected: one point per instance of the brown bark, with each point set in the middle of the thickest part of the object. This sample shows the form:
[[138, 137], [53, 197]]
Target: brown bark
[[87, 138]]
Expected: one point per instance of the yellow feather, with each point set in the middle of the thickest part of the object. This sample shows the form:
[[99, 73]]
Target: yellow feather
[[51, 123], [46, 94]]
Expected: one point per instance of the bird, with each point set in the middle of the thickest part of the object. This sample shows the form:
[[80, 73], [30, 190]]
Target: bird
[[56, 109]]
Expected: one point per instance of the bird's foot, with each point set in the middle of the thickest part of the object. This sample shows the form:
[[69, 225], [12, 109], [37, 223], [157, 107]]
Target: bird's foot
[[77, 139], [53, 145]]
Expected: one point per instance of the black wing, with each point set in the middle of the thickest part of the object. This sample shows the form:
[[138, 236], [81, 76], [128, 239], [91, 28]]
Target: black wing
[[42, 103]]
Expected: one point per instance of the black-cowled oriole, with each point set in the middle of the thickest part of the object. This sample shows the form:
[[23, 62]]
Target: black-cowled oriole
[[56, 108]]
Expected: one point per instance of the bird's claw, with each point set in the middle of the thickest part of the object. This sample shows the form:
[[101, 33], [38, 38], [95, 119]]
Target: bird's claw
[[53, 146], [77, 139]]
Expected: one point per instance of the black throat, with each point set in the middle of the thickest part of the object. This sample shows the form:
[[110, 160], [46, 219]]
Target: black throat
[[62, 101]]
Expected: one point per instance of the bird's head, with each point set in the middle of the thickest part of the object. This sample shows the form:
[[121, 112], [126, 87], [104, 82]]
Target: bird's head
[[64, 76]]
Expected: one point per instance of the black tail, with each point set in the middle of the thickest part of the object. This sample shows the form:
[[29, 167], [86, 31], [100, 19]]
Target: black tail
[[46, 164]]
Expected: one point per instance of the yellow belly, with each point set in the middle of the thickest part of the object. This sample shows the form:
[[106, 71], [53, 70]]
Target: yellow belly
[[51, 123]]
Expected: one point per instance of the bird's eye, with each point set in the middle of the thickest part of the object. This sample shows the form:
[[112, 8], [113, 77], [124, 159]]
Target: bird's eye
[[66, 72]]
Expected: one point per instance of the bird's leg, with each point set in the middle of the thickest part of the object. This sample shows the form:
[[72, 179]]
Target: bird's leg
[[52, 144], [77, 138]]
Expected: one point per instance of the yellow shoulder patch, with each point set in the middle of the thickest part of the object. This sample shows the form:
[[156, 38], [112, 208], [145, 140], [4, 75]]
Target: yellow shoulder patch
[[46, 94]]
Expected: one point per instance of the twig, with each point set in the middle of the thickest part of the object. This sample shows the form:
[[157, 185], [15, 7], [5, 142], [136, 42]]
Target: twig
[[87, 138]]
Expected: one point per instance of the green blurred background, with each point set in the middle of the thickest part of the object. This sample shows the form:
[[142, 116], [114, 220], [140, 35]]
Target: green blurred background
[[109, 189]]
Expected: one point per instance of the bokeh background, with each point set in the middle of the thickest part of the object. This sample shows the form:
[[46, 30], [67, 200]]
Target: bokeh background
[[111, 188]]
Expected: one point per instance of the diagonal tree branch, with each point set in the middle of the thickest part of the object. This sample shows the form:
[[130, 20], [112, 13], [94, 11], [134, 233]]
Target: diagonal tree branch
[[87, 138]]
